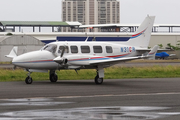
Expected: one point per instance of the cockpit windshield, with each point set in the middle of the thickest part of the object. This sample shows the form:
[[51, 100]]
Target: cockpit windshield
[[50, 47]]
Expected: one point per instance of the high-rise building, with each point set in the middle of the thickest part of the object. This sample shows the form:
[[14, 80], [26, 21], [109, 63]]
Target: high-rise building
[[91, 12]]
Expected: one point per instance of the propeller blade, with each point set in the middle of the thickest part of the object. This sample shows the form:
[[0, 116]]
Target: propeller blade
[[63, 50]]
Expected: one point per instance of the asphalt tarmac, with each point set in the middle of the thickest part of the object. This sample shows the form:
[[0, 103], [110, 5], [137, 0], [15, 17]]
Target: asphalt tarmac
[[117, 99]]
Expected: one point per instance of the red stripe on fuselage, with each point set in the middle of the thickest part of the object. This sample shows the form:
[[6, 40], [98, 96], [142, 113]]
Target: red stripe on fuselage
[[41, 61], [100, 57]]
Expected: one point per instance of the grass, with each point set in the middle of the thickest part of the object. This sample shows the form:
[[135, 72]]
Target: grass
[[110, 73], [5, 62], [144, 72]]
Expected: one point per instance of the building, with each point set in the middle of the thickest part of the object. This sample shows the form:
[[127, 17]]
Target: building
[[90, 12]]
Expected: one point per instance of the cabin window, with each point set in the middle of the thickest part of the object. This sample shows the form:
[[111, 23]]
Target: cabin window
[[62, 47], [74, 49], [109, 49], [85, 49], [97, 49]]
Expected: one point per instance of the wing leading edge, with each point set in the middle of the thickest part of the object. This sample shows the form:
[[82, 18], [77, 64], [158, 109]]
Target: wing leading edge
[[116, 60]]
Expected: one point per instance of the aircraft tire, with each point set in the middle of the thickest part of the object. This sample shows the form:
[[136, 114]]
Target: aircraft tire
[[53, 77], [28, 80], [98, 80]]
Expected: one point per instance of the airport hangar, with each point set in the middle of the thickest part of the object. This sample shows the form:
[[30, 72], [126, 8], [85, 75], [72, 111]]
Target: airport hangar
[[114, 32]]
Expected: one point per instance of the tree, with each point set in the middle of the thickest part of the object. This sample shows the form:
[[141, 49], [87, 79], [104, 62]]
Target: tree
[[160, 46], [9, 34], [177, 47]]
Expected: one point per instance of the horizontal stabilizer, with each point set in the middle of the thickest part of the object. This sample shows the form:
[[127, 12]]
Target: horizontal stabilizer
[[152, 53], [13, 52]]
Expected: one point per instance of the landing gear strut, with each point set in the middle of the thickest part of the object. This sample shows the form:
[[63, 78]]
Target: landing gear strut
[[53, 76], [100, 74], [28, 79]]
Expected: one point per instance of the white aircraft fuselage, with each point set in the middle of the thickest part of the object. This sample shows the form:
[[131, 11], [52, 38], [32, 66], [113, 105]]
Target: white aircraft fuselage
[[78, 55]]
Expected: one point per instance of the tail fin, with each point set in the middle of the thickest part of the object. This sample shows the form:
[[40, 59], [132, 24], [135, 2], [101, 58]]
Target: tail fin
[[142, 36], [13, 52], [152, 53]]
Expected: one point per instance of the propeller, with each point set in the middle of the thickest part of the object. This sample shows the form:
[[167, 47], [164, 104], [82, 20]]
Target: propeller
[[60, 59]]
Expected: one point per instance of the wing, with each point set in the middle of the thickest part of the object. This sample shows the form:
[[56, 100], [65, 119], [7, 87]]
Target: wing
[[114, 60], [101, 60]]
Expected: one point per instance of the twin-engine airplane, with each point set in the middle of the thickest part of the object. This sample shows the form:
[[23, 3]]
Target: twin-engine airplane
[[86, 55]]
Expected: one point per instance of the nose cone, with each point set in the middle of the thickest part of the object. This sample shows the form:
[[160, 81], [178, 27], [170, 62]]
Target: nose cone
[[21, 60], [24, 60], [34, 60]]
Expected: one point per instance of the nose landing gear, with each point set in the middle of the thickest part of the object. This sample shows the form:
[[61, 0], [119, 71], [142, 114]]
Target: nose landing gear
[[28, 79]]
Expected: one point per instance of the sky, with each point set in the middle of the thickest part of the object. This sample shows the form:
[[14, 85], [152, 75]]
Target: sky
[[131, 11]]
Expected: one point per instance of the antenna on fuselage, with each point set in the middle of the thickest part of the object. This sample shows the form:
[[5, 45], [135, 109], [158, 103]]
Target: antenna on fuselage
[[86, 39]]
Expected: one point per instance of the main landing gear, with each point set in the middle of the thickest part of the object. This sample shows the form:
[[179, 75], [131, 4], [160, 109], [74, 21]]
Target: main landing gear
[[100, 74], [98, 80], [53, 76]]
